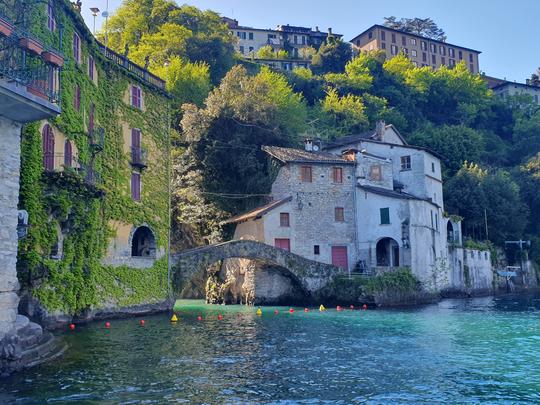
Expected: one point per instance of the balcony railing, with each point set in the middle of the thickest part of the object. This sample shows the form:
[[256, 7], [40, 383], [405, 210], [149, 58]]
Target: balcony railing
[[96, 139], [59, 162], [138, 157], [137, 70]]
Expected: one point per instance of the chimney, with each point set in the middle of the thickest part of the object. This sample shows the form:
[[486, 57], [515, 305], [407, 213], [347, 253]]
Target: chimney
[[308, 144], [330, 31], [317, 29], [380, 129]]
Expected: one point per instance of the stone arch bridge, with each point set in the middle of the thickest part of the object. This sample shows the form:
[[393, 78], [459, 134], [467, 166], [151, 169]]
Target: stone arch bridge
[[312, 276]]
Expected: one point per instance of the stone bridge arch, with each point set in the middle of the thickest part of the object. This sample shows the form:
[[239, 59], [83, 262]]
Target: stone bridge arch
[[310, 275]]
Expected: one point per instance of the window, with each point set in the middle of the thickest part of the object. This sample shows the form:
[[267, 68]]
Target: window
[[405, 163], [241, 49], [433, 167], [51, 22], [316, 250], [284, 244], [337, 174], [385, 216], [433, 59], [383, 45], [375, 173], [437, 221], [251, 36], [471, 68], [91, 67], [91, 119], [370, 34], [284, 219], [452, 62], [413, 41], [403, 40], [136, 97], [303, 40], [383, 35], [68, 154], [443, 60], [394, 50], [451, 52], [471, 58], [47, 137], [414, 53], [296, 39], [423, 45], [76, 47], [393, 38], [250, 49], [460, 55], [339, 214], [241, 35], [77, 98], [442, 50], [136, 186], [424, 57], [306, 174], [433, 48]]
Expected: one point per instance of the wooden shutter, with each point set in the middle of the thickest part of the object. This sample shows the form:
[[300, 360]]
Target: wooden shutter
[[339, 257], [385, 216], [91, 119], [284, 244], [284, 219], [68, 154], [48, 147], [136, 186], [338, 175]]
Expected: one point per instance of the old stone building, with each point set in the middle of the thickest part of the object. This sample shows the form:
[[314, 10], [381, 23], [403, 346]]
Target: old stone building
[[369, 203]]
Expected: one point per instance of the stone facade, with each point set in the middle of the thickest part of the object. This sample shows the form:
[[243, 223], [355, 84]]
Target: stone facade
[[9, 196]]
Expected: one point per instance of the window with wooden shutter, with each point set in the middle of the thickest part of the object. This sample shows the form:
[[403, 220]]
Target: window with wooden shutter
[[405, 163], [91, 68], [375, 173], [282, 243], [51, 22], [136, 186], [337, 173], [136, 97], [306, 174], [48, 147], [68, 154], [284, 219], [91, 119], [385, 216], [76, 47], [339, 214]]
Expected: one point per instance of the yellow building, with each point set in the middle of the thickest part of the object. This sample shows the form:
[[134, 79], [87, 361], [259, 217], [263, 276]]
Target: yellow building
[[421, 50]]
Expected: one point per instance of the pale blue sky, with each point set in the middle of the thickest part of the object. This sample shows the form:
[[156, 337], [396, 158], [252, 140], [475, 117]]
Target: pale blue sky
[[506, 31]]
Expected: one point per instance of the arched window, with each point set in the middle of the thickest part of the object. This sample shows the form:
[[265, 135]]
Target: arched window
[[387, 253], [143, 243], [48, 147], [68, 154]]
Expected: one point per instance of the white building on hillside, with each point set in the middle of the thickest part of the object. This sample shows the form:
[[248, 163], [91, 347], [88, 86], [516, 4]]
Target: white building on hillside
[[368, 203]]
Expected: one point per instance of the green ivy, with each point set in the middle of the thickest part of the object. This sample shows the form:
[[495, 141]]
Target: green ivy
[[79, 280]]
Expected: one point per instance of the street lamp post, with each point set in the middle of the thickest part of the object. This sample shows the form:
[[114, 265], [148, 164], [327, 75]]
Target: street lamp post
[[95, 12]]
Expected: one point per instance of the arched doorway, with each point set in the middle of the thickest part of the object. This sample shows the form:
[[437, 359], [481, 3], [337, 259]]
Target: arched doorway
[[143, 243], [47, 136], [387, 253]]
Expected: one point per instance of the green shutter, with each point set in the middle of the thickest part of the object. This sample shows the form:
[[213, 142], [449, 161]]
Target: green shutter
[[385, 216]]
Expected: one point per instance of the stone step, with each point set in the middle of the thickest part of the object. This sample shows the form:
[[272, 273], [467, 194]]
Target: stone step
[[48, 348], [30, 335]]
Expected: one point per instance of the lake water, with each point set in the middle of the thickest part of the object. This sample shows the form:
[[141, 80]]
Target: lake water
[[459, 351]]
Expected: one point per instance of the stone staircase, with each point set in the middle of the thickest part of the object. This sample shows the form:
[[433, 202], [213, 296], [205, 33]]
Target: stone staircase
[[28, 346]]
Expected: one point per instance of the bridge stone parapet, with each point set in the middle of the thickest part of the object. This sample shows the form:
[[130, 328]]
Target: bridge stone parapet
[[310, 275]]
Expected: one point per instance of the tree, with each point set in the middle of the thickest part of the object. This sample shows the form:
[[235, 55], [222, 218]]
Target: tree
[[332, 56], [424, 27], [535, 78], [342, 115]]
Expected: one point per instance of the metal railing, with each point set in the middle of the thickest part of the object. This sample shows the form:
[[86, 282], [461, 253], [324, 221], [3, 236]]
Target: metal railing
[[60, 162], [22, 61], [132, 67], [138, 157]]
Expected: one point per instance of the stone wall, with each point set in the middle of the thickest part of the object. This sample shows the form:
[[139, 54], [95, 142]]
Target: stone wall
[[9, 198]]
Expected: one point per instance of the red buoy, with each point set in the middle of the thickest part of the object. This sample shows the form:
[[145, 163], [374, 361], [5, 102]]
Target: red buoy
[[220, 317], [71, 326], [199, 318], [306, 309], [141, 322], [276, 312], [107, 325], [291, 310], [339, 308], [364, 307], [351, 307]]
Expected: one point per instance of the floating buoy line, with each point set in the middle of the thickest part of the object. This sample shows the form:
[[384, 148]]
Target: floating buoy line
[[174, 318]]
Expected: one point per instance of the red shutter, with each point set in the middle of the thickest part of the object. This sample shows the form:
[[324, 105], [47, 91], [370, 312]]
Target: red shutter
[[68, 154], [339, 257], [48, 147], [91, 67], [284, 244]]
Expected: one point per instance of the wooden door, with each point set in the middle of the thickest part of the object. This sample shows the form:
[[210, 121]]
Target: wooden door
[[339, 257]]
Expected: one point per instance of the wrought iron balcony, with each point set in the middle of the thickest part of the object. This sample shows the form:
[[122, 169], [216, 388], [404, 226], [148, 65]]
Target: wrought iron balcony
[[96, 138], [29, 75], [138, 157], [60, 162]]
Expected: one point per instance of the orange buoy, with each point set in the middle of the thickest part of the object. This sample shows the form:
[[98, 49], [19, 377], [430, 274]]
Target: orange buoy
[[306, 309], [141, 322], [199, 318], [71, 326], [339, 308], [107, 325], [291, 310], [276, 312], [220, 317], [364, 307]]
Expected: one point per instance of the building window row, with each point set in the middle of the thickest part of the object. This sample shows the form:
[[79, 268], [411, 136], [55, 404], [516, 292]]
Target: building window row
[[306, 174]]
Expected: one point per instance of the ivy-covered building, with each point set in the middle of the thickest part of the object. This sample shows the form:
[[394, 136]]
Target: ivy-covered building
[[95, 179]]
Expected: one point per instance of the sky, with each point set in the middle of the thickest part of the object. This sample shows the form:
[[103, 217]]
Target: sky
[[505, 31]]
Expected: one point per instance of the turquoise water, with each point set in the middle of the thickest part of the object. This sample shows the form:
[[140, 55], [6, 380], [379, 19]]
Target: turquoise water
[[480, 350]]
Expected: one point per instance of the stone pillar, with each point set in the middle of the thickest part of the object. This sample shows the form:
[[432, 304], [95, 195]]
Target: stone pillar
[[10, 156]]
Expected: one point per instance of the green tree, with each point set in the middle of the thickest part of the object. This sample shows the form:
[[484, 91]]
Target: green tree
[[424, 27], [342, 115], [332, 56]]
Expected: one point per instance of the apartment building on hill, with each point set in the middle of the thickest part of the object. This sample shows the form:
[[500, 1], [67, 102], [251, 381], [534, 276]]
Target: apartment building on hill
[[421, 50]]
